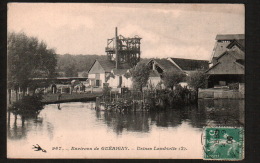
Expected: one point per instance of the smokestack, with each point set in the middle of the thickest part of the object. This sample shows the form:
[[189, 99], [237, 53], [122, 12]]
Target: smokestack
[[116, 49]]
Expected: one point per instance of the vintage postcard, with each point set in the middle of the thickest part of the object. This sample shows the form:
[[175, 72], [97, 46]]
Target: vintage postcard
[[148, 81]]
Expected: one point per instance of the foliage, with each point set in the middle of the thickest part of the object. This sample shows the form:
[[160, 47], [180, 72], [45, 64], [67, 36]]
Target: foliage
[[127, 75], [140, 75], [106, 90], [197, 80], [159, 86], [28, 105], [81, 62], [28, 58], [71, 71], [172, 78], [84, 74], [179, 95], [34, 84]]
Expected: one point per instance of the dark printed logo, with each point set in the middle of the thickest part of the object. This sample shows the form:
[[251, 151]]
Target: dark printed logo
[[38, 148]]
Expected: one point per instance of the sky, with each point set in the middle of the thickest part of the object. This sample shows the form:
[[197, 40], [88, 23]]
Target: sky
[[167, 30]]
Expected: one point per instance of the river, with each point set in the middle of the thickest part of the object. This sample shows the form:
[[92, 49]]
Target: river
[[77, 125]]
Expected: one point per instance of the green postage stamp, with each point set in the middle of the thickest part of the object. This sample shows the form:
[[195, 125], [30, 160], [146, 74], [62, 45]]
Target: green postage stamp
[[223, 143]]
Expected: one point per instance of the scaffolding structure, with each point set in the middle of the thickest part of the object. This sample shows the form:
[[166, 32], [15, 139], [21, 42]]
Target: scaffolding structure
[[124, 50]]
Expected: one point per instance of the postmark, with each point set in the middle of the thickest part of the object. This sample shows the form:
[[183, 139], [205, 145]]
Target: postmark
[[223, 143]]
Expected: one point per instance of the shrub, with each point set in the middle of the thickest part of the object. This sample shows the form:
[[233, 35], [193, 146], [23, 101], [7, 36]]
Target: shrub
[[28, 105], [172, 78], [140, 75], [106, 90], [197, 80]]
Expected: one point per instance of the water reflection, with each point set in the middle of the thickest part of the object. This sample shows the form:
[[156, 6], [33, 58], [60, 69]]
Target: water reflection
[[132, 121], [223, 112], [168, 118], [51, 120], [208, 112], [19, 125]]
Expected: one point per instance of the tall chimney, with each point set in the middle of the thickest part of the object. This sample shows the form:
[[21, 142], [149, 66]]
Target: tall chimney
[[116, 49]]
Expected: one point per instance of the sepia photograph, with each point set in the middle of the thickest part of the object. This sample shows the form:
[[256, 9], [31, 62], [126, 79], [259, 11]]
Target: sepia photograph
[[125, 81]]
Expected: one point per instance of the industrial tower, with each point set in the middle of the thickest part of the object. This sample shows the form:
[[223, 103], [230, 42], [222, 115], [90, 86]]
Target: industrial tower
[[123, 50]]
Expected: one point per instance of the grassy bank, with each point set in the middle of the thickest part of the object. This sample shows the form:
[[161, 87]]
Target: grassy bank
[[74, 97]]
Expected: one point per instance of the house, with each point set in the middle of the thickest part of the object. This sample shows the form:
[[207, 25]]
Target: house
[[224, 42], [105, 72], [229, 66], [154, 80], [99, 72], [159, 66], [190, 65], [119, 78]]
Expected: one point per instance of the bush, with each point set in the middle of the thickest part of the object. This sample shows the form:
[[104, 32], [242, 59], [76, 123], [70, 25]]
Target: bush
[[28, 105], [140, 74], [179, 95], [173, 78], [106, 90], [197, 80]]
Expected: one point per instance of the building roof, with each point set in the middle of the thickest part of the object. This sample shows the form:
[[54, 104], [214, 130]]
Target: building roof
[[220, 48], [216, 69], [238, 55], [239, 43], [119, 71], [230, 37], [165, 64], [239, 60], [227, 41], [190, 64], [106, 64]]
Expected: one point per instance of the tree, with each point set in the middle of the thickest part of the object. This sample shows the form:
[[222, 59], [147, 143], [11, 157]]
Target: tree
[[140, 75], [172, 78], [70, 71], [84, 74], [81, 62], [27, 58], [197, 80]]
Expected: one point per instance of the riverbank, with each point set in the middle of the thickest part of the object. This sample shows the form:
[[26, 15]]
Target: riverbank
[[74, 97]]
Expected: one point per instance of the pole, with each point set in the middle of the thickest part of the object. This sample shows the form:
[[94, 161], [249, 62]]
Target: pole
[[143, 96], [116, 49], [19, 91], [110, 96]]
